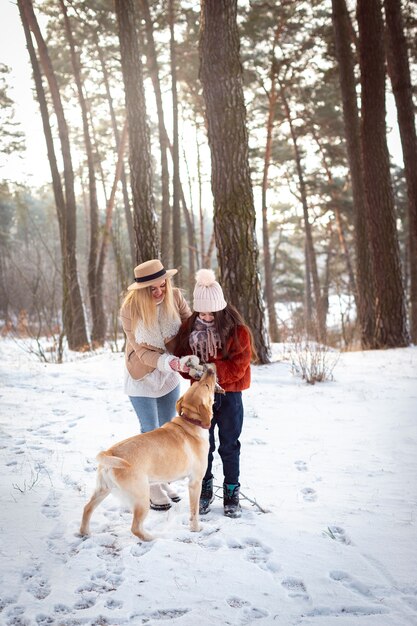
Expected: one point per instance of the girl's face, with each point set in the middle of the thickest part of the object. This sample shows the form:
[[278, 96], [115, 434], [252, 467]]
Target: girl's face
[[158, 291], [206, 317]]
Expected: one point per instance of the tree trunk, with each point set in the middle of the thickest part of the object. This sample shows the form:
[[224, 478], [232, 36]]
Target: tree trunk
[[399, 72], [390, 330], [320, 321], [98, 332], [147, 243], [73, 311], [176, 215], [166, 248], [364, 273], [234, 213], [126, 201], [109, 209], [269, 289]]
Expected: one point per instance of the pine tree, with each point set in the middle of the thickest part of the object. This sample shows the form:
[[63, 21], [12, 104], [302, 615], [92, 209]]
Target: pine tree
[[234, 214], [390, 329]]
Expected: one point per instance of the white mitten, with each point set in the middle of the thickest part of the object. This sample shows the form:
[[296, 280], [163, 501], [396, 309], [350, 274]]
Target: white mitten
[[191, 364]]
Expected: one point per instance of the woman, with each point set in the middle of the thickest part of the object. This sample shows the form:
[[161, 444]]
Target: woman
[[217, 334], [151, 315]]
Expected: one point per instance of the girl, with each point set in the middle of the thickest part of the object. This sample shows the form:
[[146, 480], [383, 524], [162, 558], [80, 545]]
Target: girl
[[217, 334]]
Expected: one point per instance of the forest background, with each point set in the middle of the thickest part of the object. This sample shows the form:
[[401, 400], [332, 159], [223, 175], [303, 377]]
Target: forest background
[[191, 131]]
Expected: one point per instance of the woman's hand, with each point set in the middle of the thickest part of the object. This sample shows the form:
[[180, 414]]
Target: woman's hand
[[177, 366]]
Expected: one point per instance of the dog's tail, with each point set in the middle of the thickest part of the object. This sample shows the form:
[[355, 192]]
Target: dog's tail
[[108, 460]]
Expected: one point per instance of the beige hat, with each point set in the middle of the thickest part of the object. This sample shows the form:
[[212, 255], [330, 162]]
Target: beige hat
[[208, 295], [149, 273]]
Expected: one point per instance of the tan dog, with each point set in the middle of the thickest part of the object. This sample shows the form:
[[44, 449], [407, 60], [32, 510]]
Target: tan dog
[[177, 450]]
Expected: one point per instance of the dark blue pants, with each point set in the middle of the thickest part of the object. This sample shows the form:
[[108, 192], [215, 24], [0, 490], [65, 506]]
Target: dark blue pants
[[228, 417]]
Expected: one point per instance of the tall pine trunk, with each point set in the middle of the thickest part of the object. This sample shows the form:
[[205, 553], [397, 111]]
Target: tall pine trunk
[[176, 214], [123, 178], [146, 240], [234, 212], [364, 273], [153, 69], [269, 288], [390, 329], [95, 288], [399, 72], [73, 311]]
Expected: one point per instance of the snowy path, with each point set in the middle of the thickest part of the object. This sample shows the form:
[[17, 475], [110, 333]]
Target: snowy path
[[334, 464]]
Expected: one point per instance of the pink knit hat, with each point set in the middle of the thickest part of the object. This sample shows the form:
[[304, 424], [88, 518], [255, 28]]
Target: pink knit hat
[[208, 295]]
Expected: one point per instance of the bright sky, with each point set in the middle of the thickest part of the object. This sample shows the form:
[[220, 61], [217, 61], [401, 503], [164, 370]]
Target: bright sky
[[33, 167]]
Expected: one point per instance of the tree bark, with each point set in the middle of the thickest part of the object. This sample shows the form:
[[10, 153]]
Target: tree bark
[[147, 241], [399, 73], [153, 68], [73, 311], [126, 200], [364, 272], [390, 329], [95, 289], [234, 213], [176, 214], [269, 289], [110, 206]]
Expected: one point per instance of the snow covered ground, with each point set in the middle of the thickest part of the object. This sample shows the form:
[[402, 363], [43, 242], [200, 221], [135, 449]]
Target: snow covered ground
[[335, 466]]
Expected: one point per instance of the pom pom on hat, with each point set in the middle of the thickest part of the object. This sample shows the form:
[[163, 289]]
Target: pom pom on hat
[[208, 295], [205, 277]]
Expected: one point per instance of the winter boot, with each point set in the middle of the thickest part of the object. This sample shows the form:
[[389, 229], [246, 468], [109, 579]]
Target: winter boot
[[207, 496], [159, 500], [171, 492], [231, 500]]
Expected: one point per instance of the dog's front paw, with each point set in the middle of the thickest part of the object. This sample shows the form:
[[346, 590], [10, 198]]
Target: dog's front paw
[[195, 527]]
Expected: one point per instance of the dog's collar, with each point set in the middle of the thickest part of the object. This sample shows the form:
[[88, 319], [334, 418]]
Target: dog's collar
[[192, 421]]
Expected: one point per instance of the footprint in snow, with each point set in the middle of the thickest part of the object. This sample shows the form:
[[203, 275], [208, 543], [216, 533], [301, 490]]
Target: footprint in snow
[[351, 583], [237, 603], [250, 614], [309, 494], [15, 615], [45, 620], [113, 604], [50, 507], [301, 466], [255, 552], [295, 588], [35, 583], [337, 534], [163, 614], [6, 601], [62, 609]]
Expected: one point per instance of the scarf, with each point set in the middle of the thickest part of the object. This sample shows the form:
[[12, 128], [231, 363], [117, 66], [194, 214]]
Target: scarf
[[204, 340]]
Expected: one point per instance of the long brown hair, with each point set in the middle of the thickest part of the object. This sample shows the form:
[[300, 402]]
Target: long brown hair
[[226, 323]]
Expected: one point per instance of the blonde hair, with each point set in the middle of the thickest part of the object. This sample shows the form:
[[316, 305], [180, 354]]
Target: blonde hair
[[142, 308]]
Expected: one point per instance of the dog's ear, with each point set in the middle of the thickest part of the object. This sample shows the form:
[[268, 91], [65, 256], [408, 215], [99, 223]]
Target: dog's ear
[[178, 406], [205, 412]]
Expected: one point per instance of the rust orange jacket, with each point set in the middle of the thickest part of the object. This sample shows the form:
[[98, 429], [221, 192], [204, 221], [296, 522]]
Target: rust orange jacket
[[233, 372]]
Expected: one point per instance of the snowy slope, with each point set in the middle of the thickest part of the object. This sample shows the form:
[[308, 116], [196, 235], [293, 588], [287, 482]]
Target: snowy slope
[[334, 464]]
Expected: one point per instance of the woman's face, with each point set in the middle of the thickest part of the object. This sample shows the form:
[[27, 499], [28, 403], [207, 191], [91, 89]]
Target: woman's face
[[158, 291], [206, 317]]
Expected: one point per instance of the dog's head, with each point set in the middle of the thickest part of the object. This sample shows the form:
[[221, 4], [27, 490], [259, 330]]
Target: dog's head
[[197, 402]]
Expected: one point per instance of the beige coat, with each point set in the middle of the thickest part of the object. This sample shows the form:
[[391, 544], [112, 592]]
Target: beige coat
[[142, 357]]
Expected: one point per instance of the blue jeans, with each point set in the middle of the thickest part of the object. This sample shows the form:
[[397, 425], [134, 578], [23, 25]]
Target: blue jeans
[[154, 412], [228, 417]]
